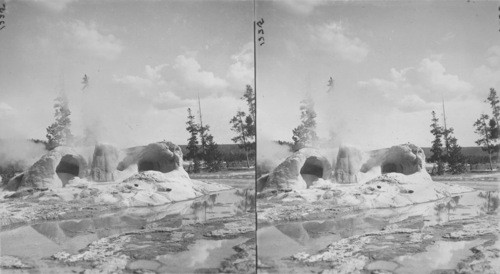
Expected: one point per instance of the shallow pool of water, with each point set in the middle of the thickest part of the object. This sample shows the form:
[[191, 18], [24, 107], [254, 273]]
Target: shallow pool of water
[[34, 242], [284, 240], [203, 254], [441, 255]]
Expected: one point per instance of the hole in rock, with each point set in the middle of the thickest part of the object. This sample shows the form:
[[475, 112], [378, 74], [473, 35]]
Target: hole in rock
[[312, 170], [67, 169], [390, 167], [146, 165]]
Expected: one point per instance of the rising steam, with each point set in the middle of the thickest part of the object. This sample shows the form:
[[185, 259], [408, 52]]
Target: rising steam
[[20, 152]]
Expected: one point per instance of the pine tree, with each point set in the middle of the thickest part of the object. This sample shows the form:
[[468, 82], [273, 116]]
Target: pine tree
[[244, 124], [305, 134], [494, 101], [249, 96], [495, 107], [203, 131], [456, 159], [485, 132], [213, 157], [210, 154], [239, 126], [437, 146], [192, 146], [59, 133]]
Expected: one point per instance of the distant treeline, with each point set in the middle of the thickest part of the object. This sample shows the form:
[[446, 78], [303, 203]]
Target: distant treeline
[[473, 155], [230, 152]]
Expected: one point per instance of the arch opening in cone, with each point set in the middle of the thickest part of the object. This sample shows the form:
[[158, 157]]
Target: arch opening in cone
[[312, 170], [146, 165], [391, 167], [68, 168]]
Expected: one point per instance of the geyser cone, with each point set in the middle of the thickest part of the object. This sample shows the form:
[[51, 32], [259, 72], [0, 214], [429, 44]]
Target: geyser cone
[[162, 156]]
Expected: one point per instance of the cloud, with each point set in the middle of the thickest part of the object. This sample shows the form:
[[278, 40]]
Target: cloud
[[185, 79], [241, 71], [6, 110], [55, 5], [301, 7], [488, 76], [152, 78], [168, 100], [194, 78], [494, 56], [417, 88], [334, 39], [153, 88], [178, 85], [447, 37], [432, 77], [88, 38]]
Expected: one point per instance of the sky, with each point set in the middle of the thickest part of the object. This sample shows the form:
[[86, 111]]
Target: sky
[[393, 62], [146, 62]]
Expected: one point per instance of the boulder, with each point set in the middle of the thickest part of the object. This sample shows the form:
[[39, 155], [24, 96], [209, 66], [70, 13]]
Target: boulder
[[162, 156], [55, 169], [298, 171], [104, 163]]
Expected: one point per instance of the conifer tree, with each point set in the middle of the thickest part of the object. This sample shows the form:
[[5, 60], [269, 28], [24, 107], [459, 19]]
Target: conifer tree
[[213, 157], [437, 146], [244, 124], [305, 134], [192, 146], [494, 103], [495, 108], [456, 160], [483, 128], [59, 132]]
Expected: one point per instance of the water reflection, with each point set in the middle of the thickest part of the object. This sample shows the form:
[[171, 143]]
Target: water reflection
[[73, 235], [420, 215], [304, 232], [491, 204], [442, 255], [445, 207], [276, 242], [203, 254]]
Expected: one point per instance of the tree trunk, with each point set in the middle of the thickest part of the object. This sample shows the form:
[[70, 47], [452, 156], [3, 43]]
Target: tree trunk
[[491, 165], [244, 141], [248, 161]]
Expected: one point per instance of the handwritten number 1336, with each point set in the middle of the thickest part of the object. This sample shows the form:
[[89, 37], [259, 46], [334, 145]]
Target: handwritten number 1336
[[261, 31]]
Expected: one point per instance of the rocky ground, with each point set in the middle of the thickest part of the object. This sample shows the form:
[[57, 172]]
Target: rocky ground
[[31, 210], [384, 251], [470, 243], [83, 198], [326, 200], [149, 249], [141, 251]]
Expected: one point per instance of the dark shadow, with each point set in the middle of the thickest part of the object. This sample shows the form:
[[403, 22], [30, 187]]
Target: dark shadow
[[67, 169], [389, 167], [148, 165], [312, 170]]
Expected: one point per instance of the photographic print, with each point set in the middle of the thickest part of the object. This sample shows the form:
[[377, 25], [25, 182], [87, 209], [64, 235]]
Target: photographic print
[[378, 136], [127, 137]]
